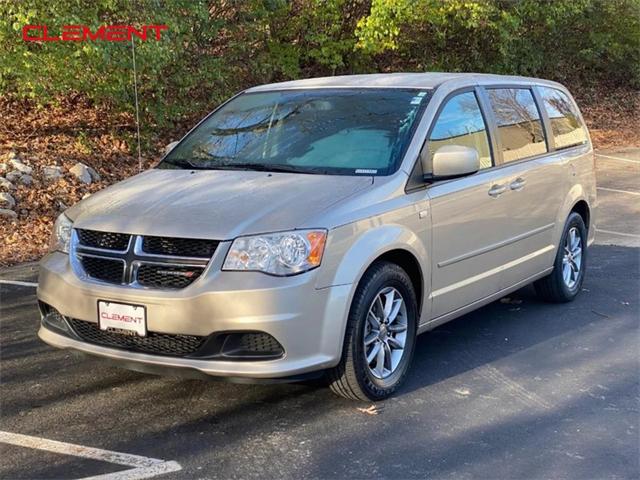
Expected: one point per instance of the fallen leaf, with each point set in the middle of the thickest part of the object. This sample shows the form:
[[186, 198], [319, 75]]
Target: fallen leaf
[[372, 410]]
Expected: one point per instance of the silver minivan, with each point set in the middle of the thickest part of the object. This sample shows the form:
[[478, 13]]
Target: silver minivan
[[318, 226]]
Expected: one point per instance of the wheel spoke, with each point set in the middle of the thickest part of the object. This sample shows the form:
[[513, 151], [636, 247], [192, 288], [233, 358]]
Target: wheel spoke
[[387, 356], [369, 339], [397, 327], [572, 238], [373, 353], [395, 343], [566, 273], [577, 254], [373, 320], [378, 304], [388, 304], [380, 358], [397, 304]]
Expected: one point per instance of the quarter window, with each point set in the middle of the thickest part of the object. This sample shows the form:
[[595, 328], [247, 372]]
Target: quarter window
[[519, 125], [566, 126], [460, 123]]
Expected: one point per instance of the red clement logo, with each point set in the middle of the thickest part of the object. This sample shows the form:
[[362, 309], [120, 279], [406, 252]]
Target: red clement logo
[[121, 318], [81, 33]]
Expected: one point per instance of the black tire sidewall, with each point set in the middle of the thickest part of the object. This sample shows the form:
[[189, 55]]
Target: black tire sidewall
[[389, 275]]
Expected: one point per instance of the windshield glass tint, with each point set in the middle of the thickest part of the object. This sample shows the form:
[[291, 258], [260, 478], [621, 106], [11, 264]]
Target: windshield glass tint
[[337, 131]]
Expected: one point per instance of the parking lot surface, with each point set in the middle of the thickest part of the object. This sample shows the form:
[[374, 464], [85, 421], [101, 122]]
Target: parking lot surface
[[517, 389]]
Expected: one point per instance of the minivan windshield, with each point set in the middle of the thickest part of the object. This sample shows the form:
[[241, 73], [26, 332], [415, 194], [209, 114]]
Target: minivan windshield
[[325, 131]]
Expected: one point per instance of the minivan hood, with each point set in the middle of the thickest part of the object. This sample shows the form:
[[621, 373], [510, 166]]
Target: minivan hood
[[215, 204]]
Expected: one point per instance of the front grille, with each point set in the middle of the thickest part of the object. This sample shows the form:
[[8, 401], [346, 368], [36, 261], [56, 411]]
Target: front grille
[[181, 247], [167, 276], [150, 262], [105, 240], [154, 343], [105, 269]]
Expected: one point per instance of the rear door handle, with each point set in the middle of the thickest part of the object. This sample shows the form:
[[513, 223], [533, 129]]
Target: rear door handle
[[518, 184], [496, 190]]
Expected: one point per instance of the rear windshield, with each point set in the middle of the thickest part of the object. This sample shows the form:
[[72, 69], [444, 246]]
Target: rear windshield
[[327, 131]]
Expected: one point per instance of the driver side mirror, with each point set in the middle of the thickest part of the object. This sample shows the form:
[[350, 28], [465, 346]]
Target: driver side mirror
[[451, 161]]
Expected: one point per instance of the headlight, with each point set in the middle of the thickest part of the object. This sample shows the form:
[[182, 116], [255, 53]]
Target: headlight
[[61, 235], [285, 253]]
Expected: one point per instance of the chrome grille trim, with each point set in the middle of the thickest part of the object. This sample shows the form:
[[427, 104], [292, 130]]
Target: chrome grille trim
[[133, 257]]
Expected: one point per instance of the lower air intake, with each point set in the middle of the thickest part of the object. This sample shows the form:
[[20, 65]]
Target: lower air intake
[[154, 343]]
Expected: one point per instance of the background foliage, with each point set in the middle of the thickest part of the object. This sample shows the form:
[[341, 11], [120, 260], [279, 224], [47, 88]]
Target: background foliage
[[215, 48]]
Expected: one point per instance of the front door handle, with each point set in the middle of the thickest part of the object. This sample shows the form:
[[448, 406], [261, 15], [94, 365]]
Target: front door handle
[[517, 184], [496, 190]]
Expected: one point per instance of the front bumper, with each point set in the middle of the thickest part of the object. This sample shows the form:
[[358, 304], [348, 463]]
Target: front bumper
[[308, 322]]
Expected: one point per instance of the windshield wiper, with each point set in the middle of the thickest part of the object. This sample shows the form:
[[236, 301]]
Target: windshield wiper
[[261, 167], [184, 163], [273, 167]]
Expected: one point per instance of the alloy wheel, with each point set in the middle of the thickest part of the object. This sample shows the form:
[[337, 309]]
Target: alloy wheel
[[385, 333], [572, 258]]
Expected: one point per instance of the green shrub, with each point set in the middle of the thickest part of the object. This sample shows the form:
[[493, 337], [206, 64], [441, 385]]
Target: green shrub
[[567, 40], [215, 48]]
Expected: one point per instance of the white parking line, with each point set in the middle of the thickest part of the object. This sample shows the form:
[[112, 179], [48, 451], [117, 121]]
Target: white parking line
[[144, 467], [617, 158], [611, 232], [18, 282], [619, 191]]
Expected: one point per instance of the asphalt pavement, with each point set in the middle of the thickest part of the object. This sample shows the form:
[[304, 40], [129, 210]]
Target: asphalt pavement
[[517, 389]]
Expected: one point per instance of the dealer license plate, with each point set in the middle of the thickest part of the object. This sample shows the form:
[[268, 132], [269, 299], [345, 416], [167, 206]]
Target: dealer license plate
[[122, 318]]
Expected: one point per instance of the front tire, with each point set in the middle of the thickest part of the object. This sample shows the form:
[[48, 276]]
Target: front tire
[[564, 282], [380, 335]]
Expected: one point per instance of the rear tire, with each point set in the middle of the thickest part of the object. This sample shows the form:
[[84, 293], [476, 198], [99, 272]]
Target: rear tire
[[381, 327], [565, 281]]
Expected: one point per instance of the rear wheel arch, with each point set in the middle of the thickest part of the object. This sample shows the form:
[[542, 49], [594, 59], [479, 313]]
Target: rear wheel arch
[[582, 208], [575, 201]]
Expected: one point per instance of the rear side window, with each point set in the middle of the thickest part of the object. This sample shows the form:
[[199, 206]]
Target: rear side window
[[519, 125], [566, 126], [460, 122]]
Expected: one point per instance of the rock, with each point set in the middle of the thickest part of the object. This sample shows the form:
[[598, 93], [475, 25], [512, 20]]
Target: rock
[[52, 173], [6, 200], [8, 213], [21, 167], [4, 168], [13, 176], [81, 172], [95, 176], [6, 184], [26, 179]]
